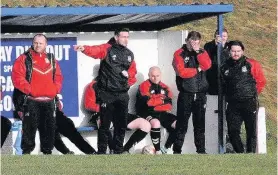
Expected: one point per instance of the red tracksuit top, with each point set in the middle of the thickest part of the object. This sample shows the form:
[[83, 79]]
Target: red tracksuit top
[[41, 84], [90, 98]]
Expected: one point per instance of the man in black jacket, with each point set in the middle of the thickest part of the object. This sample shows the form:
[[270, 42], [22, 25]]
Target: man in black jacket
[[116, 75], [211, 48], [190, 63]]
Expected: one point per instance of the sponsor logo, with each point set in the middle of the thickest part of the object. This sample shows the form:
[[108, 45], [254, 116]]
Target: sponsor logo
[[226, 72], [186, 59], [244, 69], [129, 58], [47, 60]]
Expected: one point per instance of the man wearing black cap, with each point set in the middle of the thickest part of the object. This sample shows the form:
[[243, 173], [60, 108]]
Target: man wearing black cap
[[243, 80]]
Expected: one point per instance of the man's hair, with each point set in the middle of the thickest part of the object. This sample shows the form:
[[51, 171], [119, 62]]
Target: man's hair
[[154, 68], [118, 31], [40, 34], [194, 35], [235, 43], [217, 31]]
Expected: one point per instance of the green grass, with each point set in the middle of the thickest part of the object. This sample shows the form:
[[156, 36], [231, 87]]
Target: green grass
[[141, 164]]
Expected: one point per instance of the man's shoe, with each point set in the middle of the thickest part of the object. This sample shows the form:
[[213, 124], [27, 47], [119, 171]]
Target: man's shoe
[[158, 152], [70, 152], [125, 152], [164, 150]]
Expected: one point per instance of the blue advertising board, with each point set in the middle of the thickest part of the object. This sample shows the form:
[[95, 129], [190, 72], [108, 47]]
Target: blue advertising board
[[11, 48]]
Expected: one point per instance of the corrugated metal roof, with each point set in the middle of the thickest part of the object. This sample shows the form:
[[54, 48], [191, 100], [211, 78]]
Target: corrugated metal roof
[[104, 18]]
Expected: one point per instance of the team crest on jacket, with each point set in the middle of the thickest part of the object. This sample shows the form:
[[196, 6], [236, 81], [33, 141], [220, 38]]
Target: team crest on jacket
[[47, 60], [186, 59], [114, 57], [152, 92], [129, 58], [162, 91], [226, 72], [244, 69]]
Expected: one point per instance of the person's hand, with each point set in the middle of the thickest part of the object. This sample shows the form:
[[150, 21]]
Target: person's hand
[[218, 39], [125, 73], [60, 105], [195, 45], [78, 48], [20, 114]]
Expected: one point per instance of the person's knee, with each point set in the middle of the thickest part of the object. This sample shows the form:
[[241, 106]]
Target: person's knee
[[155, 123], [144, 125]]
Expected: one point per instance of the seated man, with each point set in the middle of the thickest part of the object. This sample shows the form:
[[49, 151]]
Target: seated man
[[133, 121], [154, 101], [66, 127]]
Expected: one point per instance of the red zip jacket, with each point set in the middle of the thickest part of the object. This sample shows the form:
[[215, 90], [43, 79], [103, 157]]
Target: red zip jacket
[[153, 98], [183, 70], [41, 84], [185, 64], [90, 98]]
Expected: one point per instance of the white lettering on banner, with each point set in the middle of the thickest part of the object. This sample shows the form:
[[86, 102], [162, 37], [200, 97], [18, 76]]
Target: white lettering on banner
[[19, 50], [8, 68], [6, 104], [60, 51], [6, 52], [6, 83]]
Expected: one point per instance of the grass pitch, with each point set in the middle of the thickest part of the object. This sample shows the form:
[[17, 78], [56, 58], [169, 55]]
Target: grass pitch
[[140, 164]]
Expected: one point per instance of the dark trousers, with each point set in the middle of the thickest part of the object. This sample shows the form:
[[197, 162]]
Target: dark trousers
[[166, 120], [237, 113], [41, 116], [5, 129], [114, 107], [196, 104], [66, 127]]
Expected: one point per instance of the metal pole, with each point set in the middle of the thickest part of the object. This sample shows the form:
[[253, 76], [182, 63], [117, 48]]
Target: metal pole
[[221, 147]]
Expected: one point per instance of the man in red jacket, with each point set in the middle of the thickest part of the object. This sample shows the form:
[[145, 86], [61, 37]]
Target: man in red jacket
[[154, 102], [116, 75], [37, 79], [243, 80], [142, 126], [190, 63]]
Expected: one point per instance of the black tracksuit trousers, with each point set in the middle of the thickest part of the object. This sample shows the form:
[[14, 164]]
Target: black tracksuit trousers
[[38, 115], [196, 104], [238, 112], [114, 107], [66, 127]]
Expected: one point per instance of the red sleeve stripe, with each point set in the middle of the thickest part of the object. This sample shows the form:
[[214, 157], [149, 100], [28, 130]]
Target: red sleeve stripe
[[179, 67], [97, 52], [132, 71], [258, 75], [204, 61]]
